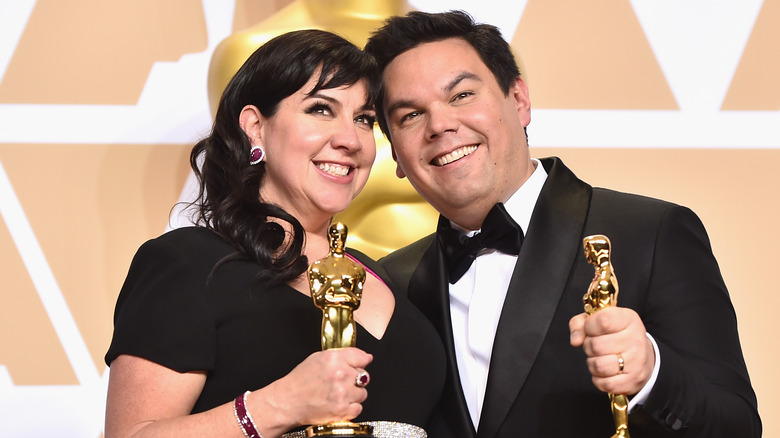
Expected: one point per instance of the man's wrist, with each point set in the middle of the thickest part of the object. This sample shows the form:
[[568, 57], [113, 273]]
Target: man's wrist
[[641, 396]]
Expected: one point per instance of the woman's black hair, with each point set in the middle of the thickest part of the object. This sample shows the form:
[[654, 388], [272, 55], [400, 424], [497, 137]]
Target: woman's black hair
[[228, 201]]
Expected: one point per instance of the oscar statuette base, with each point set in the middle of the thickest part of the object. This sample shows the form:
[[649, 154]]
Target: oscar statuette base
[[341, 429]]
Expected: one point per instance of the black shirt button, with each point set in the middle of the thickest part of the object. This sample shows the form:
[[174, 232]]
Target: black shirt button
[[673, 422]]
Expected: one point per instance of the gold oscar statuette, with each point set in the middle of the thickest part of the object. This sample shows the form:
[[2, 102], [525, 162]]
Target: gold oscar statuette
[[336, 284], [603, 292]]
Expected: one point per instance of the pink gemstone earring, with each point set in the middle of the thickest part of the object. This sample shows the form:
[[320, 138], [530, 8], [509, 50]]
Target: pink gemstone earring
[[256, 155]]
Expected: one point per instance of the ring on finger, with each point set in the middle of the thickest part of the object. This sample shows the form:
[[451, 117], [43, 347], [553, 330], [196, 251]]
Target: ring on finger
[[621, 363]]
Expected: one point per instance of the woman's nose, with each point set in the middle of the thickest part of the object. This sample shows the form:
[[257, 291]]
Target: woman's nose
[[347, 136]]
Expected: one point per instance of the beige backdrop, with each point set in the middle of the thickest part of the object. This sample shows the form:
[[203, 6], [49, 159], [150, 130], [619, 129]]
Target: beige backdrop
[[100, 102]]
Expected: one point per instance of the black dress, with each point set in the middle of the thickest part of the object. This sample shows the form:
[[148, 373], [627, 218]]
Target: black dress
[[245, 335]]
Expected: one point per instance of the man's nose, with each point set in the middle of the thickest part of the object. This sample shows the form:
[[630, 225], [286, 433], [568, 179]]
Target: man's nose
[[441, 119]]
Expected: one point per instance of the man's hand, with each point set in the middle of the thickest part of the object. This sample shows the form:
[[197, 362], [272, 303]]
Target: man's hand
[[607, 336]]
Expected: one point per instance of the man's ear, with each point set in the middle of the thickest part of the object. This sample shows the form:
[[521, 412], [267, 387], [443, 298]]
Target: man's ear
[[398, 171], [519, 91], [251, 121]]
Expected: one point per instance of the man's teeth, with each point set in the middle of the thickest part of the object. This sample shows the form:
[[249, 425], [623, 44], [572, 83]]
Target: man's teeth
[[455, 155], [334, 169]]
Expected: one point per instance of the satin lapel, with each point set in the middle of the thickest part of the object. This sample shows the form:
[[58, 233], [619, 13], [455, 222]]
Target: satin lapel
[[428, 290], [549, 250]]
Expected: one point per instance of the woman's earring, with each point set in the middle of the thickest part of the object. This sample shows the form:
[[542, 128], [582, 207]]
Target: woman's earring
[[256, 155]]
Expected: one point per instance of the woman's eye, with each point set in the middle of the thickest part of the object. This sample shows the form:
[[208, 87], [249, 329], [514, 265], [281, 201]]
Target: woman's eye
[[321, 109], [366, 119]]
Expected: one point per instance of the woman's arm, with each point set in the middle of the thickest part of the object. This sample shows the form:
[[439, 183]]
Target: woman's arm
[[146, 399]]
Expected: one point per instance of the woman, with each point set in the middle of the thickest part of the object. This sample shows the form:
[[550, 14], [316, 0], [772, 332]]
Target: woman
[[215, 330]]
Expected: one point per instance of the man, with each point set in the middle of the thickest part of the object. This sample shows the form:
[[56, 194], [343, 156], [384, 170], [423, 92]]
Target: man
[[455, 110]]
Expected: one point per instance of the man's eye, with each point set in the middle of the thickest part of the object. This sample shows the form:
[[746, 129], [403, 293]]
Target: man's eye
[[462, 95], [409, 116]]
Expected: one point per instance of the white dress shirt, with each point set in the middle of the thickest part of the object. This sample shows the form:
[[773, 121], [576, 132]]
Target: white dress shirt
[[475, 316]]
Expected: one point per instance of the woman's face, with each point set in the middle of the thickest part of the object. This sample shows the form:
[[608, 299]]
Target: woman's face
[[319, 150]]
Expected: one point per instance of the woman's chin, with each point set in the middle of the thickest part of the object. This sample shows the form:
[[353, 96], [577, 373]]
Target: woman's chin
[[331, 210]]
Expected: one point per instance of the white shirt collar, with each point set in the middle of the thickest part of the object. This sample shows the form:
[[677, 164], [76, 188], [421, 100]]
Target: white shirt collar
[[521, 204]]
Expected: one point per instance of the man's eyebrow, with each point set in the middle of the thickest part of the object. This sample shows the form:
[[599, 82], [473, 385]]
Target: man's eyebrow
[[460, 78], [403, 103], [406, 103]]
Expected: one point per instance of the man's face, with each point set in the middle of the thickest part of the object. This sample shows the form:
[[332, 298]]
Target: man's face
[[455, 135]]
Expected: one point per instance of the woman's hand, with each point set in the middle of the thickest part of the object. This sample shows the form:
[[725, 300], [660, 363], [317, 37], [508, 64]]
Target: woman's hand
[[321, 389]]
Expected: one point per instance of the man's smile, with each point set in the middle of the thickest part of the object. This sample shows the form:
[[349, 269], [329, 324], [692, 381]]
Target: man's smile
[[455, 155]]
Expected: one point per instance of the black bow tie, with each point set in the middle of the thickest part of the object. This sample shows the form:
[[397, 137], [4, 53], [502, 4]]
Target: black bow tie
[[499, 231]]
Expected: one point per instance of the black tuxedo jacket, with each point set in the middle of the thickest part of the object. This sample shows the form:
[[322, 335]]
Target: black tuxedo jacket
[[538, 385]]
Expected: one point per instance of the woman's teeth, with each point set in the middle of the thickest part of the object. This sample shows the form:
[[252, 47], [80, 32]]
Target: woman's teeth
[[333, 169]]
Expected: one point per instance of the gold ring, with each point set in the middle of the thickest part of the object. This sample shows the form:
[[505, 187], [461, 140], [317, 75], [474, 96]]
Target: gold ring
[[621, 363]]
